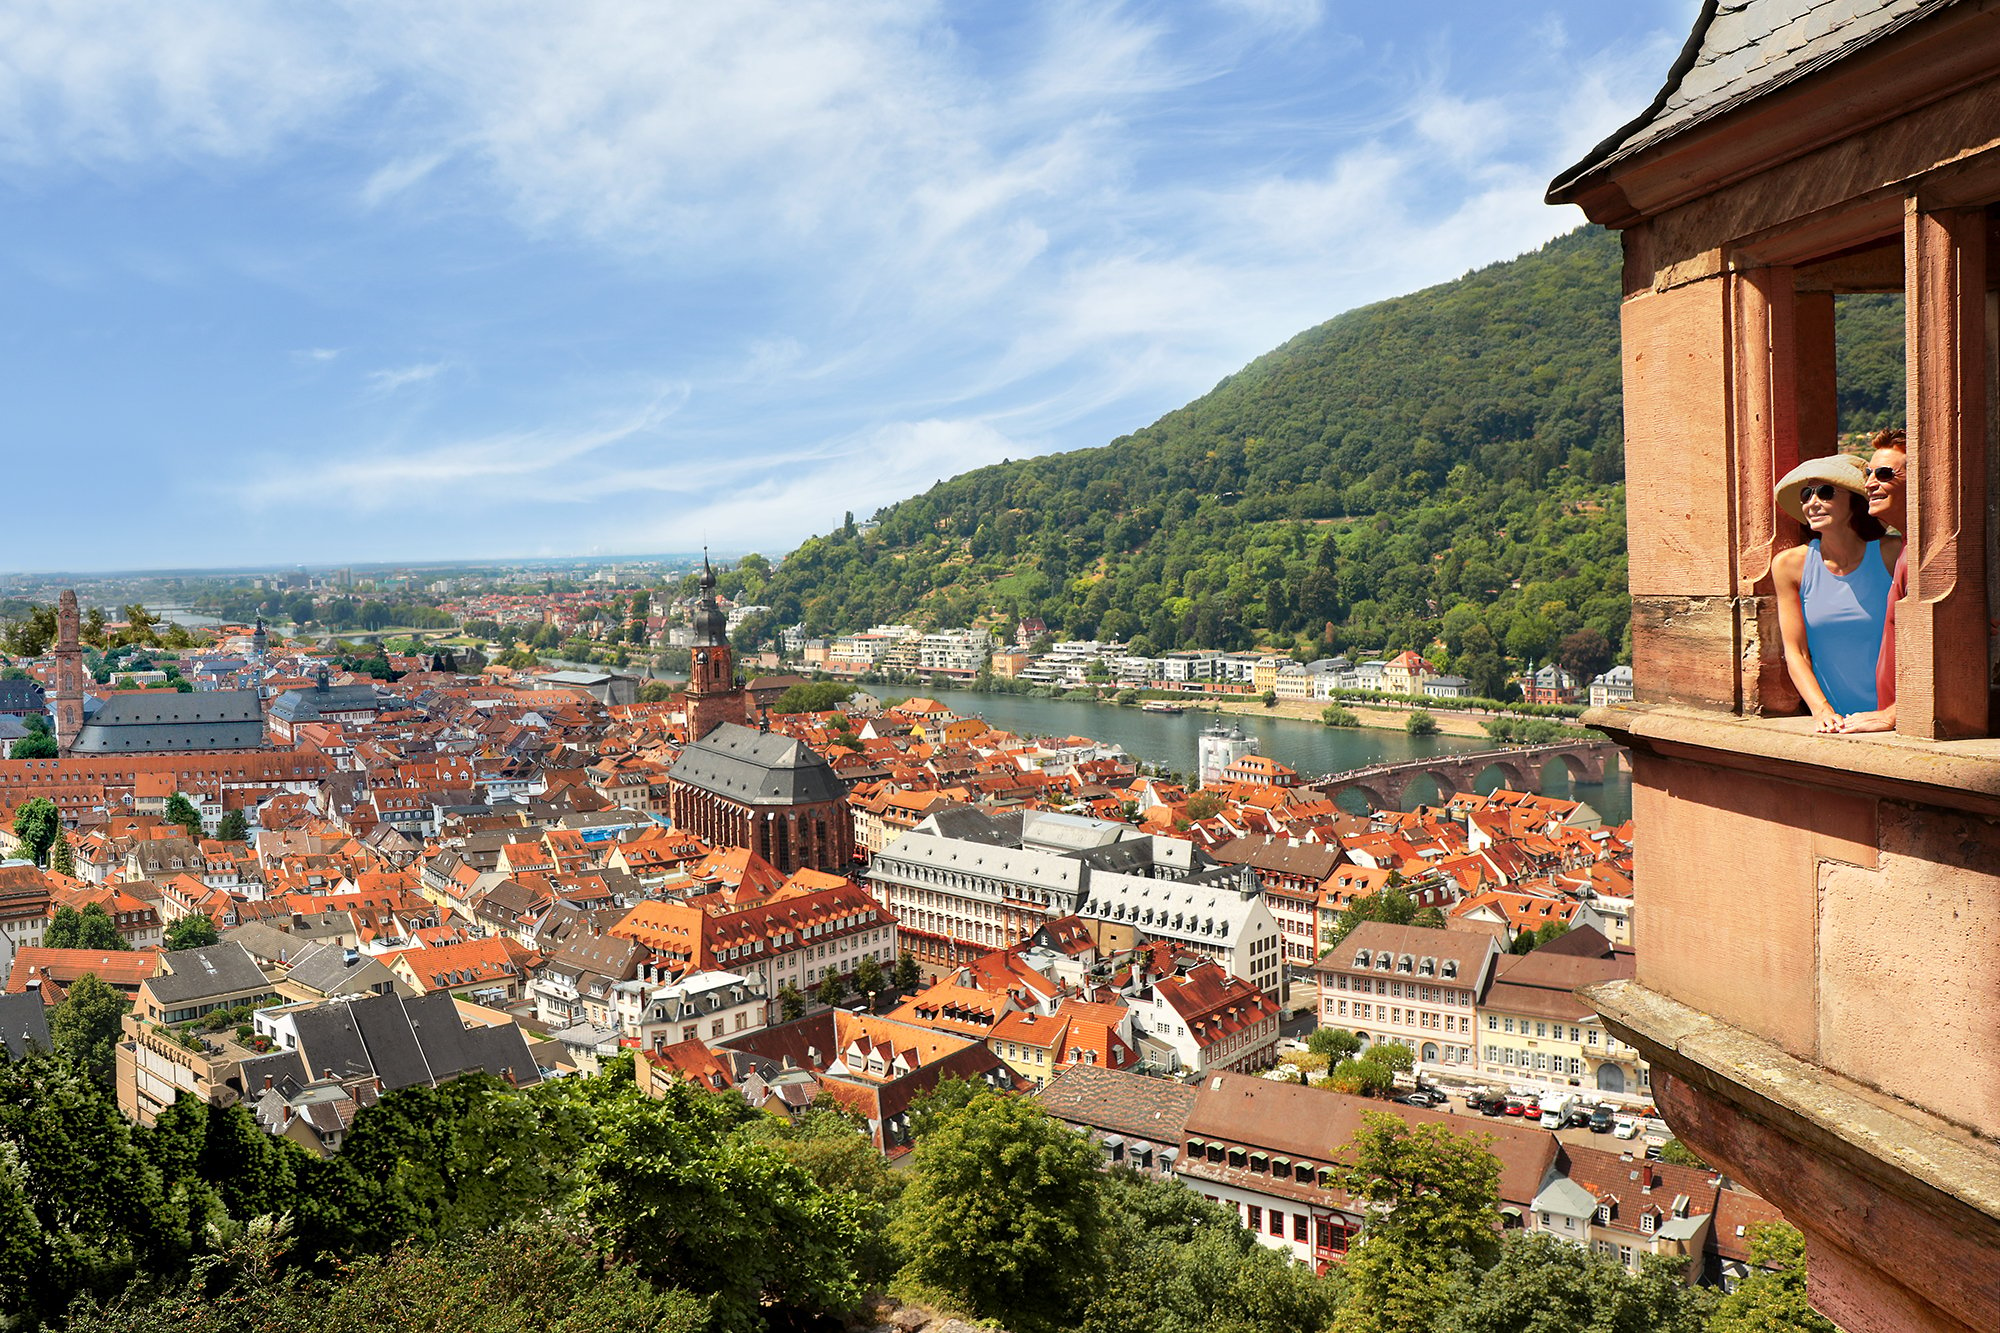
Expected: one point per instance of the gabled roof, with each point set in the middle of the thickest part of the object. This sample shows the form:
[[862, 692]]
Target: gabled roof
[[1120, 1101], [1739, 51], [756, 768], [196, 974], [162, 721]]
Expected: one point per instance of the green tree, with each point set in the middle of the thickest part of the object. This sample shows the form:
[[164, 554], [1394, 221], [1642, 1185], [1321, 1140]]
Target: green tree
[[233, 827], [180, 810], [62, 859], [92, 928], [1431, 1193], [1334, 1043], [908, 976], [1203, 804], [1390, 903], [1676, 1153], [1421, 723], [1333, 715], [1774, 1300], [832, 989], [670, 1190], [1545, 1285], [1269, 698], [1176, 1263], [36, 824], [1003, 1214], [194, 931], [869, 978], [40, 745], [85, 1027], [1392, 1055], [1362, 1077], [814, 697], [791, 1004]]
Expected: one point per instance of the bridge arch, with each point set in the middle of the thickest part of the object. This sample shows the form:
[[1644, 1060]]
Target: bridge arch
[[1448, 779], [1514, 775], [1582, 765], [1373, 794]]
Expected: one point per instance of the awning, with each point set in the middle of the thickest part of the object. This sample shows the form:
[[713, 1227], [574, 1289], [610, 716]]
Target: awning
[[1510, 1210], [1281, 1161], [1112, 1141], [1196, 1145]]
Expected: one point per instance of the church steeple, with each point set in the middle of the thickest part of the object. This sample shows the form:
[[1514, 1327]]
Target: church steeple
[[67, 700], [712, 697]]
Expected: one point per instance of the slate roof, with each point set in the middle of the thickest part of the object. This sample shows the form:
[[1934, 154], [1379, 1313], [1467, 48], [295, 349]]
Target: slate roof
[[1741, 50], [1120, 1101], [757, 768], [419, 1041], [327, 969], [24, 1025], [159, 722], [197, 974], [305, 705]]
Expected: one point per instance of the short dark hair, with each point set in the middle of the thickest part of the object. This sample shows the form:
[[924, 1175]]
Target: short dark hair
[[1895, 437]]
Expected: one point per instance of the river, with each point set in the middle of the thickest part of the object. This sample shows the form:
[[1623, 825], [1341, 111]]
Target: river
[[1306, 746]]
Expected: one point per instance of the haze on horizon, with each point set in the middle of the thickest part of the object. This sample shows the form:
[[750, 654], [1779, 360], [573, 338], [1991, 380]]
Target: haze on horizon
[[381, 282]]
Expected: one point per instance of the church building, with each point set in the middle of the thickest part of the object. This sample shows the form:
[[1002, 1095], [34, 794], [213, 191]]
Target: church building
[[741, 786]]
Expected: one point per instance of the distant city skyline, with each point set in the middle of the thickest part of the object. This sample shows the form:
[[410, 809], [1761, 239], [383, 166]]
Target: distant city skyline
[[405, 285]]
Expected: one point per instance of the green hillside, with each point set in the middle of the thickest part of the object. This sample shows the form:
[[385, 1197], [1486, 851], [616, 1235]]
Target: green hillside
[[1444, 465]]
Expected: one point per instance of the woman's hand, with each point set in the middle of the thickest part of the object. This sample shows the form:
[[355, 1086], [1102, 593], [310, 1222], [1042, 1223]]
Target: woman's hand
[[1829, 723]]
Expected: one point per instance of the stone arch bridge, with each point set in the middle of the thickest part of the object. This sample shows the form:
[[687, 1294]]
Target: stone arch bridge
[[1520, 767]]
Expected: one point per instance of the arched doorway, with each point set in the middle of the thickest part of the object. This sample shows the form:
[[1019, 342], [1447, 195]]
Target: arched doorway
[[1430, 1052], [1610, 1078], [1364, 1039]]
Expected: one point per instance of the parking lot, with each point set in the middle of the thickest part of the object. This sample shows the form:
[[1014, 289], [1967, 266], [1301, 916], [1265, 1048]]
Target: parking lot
[[1608, 1142]]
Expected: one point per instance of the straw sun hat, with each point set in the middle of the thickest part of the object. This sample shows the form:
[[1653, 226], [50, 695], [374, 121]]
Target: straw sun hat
[[1843, 470]]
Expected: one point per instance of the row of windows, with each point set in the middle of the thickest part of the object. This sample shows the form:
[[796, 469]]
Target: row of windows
[[1388, 1013], [1431, 994]]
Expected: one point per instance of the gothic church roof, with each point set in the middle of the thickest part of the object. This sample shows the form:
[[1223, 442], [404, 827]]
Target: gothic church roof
[[757, 768]]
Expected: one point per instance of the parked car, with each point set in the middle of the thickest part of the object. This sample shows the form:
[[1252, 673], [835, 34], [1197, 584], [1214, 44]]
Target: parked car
[[1578, 1118], [1493, 1106], [1600, 1120], [1516, 1107], [1625, 1128], [1532, 1111]]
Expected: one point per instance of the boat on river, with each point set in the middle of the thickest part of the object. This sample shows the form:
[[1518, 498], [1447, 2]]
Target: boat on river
[[1161, 706]]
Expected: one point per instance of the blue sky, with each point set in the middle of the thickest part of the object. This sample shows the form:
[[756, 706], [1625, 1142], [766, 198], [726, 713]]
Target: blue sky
[[362, 282]]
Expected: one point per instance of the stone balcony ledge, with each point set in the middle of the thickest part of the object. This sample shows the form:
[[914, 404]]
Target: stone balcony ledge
[[1963, 775], [1880, 1187]]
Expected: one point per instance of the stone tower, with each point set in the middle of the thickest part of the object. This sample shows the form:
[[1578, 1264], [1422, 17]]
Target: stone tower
[[67, 699], [713, 696], [260, 644]]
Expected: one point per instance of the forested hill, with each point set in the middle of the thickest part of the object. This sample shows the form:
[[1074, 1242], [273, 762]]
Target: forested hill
[[1446, 463]]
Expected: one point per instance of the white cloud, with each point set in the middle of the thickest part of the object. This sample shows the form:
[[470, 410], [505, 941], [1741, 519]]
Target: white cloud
[[307, 356], [389, 380], [431, 478], [1288, 16], [96, 82]]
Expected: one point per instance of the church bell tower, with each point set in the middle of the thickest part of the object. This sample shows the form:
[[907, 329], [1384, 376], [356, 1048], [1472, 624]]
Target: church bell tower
[[67, 700], [713, 696]]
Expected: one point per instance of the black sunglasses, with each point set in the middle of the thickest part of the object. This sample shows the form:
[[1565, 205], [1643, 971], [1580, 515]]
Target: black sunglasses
[[1884, 473], [1826, 490]]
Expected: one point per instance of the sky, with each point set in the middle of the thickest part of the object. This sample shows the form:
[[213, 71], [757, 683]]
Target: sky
[[362, 282]]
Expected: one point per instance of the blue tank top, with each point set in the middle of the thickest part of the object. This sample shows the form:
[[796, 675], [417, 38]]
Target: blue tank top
[[1844, 619]]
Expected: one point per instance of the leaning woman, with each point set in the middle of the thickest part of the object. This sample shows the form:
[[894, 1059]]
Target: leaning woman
[[1833, 592]]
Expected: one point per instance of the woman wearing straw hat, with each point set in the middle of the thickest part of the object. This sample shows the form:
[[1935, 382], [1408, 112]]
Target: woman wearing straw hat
[[1833, 592]]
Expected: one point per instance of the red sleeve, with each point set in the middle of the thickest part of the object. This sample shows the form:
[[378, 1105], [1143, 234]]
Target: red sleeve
[[1885, 663]]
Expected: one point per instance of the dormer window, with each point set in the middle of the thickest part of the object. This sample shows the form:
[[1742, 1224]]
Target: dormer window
[[1406, 963], [1604, 1214], [1647, 1223], [1361, 959]]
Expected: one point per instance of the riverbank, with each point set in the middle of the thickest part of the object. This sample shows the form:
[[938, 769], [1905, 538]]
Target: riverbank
[[1383, 719]]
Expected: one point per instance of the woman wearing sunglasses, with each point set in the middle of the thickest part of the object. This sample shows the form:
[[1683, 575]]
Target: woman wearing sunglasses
[[1833, 592]]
